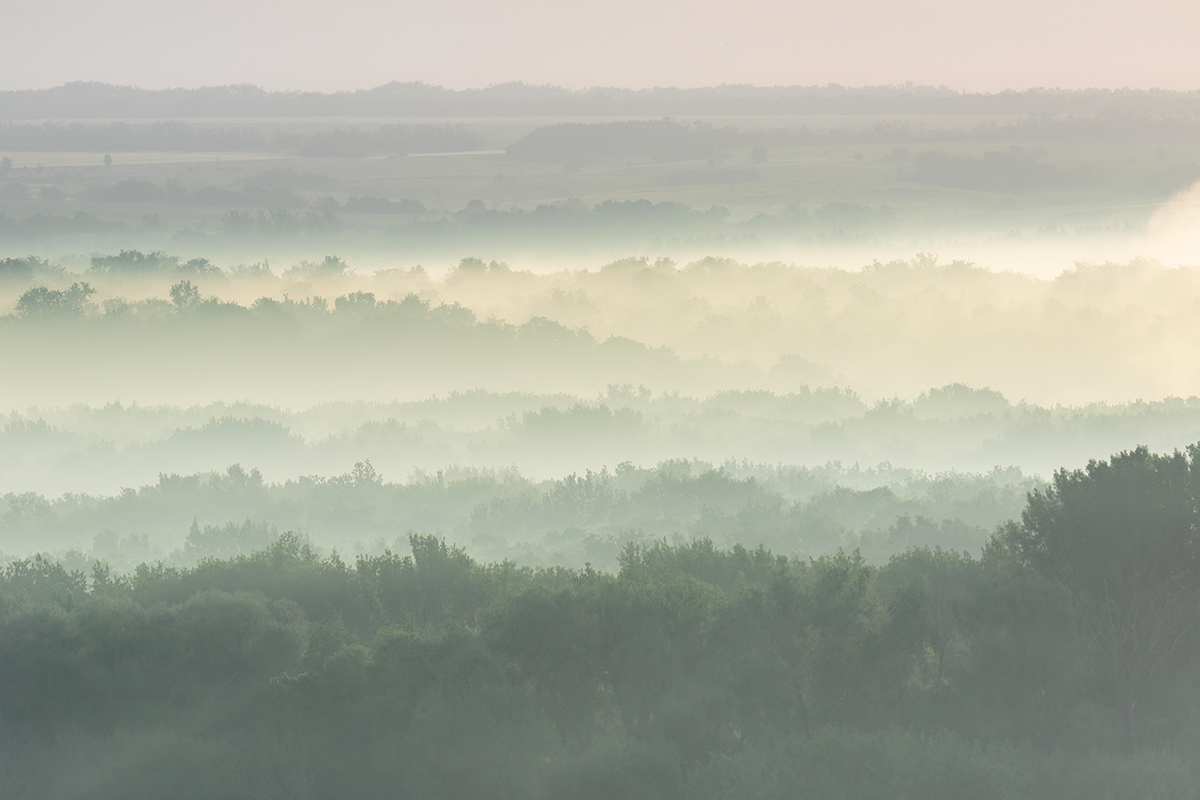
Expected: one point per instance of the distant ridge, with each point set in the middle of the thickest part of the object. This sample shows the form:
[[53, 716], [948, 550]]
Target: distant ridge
[[89, 100]]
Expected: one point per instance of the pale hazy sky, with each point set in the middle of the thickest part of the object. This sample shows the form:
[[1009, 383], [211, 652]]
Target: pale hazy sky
[[977, 45]]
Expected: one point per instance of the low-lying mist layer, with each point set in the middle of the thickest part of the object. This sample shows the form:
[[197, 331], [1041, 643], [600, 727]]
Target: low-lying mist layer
[[161, 330], [180, 519], [731, 481], [101, 449]]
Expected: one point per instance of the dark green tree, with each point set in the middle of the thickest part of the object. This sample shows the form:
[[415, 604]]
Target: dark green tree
[[41, 302], [1122, 535], [185, 295]]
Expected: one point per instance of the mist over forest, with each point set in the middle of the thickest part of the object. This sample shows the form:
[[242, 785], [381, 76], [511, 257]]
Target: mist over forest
[[1110, 332], [535, 442], [1028, 181]]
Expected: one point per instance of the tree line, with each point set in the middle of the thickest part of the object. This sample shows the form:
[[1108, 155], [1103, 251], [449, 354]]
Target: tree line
[[94, 100], [174, 135], [182, 519], [1058, 663]]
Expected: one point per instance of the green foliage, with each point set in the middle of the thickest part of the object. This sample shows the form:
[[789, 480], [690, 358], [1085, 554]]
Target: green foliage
[[15, 269], [185, 295], [693, 671], [1130, 520], [42, 303], [568, 521], [840, 764], [328, 266], [133, 262], [1121, 537]]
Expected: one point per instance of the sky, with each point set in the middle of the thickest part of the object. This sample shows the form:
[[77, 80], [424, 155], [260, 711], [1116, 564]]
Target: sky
[[970, 45]]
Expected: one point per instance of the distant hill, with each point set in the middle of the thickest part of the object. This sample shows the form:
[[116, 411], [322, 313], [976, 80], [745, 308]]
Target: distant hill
[[89, 100]]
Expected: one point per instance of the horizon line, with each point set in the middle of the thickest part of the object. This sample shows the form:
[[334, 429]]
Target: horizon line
[[909, 86]]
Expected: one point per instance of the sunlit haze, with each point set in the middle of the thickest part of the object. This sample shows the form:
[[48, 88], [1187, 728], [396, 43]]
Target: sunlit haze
[[990, 45], [652, 400]]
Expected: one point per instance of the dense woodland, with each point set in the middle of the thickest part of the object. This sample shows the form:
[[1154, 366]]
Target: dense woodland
[[1058, 662], [181, 519], [709, 480], [1115, 332]]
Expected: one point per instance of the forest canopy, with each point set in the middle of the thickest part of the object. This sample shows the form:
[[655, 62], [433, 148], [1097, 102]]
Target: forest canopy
[[1005, 674]]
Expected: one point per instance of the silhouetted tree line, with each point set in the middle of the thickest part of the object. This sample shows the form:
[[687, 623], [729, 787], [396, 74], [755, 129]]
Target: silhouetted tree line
[[279, 223], [580, 143], [26, 268], [132, 190], [354, 332], [135, 262], [662, 140], [567, 220], [389, 140], [508, 514], [579, 517], [281, 213], [172, 135], [52, 226], [94, 100], [378, 205], [1060, 663], [574, 218], [1011, 171]]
